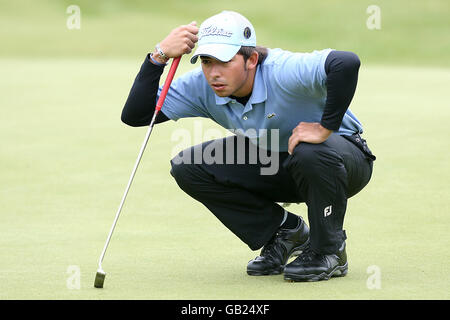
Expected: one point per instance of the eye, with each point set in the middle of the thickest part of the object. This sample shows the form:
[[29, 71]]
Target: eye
[[206, 61]]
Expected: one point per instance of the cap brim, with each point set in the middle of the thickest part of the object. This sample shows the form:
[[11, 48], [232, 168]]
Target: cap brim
[[222, 52]]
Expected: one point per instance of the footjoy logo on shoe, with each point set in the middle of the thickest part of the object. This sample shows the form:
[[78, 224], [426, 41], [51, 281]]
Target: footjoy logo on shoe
[[327, 211]]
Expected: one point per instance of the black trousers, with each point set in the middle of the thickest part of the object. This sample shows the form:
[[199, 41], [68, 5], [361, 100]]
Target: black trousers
[[232, 185]]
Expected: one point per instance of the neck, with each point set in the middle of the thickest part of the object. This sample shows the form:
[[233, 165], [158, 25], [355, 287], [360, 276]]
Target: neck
[[247, 88], [242, 100]]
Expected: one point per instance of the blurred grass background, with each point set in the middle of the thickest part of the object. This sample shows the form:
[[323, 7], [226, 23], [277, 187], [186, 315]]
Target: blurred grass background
[[65, 156], [412, 32]]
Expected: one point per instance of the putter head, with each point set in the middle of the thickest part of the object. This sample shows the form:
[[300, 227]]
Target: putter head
[[99, 278]]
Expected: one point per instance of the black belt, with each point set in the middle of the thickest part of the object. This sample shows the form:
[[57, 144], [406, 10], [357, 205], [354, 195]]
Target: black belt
[[357, 140]]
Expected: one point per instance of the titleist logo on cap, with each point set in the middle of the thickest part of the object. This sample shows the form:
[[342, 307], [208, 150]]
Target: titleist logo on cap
[[214, 31]]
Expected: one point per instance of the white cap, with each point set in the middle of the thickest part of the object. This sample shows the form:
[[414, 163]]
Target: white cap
[[221, 36]]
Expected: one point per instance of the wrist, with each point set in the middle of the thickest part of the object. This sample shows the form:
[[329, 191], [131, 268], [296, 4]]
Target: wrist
[[327, 126], [156, 58], [161, 52], [325, 131]]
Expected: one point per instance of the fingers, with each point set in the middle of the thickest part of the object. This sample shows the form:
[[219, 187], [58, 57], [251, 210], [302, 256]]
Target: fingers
[[191, 36], [299, 127], [192, 27], [191, 32], [296, 137], [181, 40], [308, 132], [188, 41], [188, 46], [294, 140]]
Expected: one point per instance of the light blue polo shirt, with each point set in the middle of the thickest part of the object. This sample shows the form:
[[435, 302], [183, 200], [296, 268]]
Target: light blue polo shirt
[[288, 88]]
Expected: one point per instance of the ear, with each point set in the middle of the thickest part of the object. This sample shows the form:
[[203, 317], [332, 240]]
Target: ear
[[252, 61]]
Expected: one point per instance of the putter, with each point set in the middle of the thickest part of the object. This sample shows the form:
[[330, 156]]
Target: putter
[[100, 276]]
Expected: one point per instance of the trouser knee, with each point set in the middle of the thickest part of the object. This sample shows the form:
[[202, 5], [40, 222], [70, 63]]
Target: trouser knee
[[312, 159], [181, 172]]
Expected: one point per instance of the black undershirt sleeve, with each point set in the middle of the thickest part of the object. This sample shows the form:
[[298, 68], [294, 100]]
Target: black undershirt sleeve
[[141, 102], [342, 69]]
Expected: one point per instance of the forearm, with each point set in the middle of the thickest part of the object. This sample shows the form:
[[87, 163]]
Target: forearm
[[140, 105], [342, 76]]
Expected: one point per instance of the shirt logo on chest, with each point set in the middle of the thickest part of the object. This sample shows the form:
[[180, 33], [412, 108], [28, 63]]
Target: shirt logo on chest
[[271, 115]]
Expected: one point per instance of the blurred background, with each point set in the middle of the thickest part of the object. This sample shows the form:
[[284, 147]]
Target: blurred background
[[411, 32], [66, 68]]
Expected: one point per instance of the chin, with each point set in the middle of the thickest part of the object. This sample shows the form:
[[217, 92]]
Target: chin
[[222, 94]]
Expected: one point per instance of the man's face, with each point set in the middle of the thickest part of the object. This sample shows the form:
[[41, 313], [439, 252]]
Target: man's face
[[227, 78]]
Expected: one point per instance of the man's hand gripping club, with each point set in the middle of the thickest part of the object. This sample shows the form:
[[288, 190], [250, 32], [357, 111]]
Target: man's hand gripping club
[[180, 41]]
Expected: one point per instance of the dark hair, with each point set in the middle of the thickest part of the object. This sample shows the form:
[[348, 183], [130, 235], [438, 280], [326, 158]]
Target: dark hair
[[246, 52]]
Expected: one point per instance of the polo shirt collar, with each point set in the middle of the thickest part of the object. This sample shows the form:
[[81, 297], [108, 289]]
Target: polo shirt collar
[[259, 93]]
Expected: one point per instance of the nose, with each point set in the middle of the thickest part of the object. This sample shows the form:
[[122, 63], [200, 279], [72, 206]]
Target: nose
[[214, 71]]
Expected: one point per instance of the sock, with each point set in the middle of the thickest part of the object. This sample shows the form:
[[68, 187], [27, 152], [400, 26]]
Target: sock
[[290, 220]]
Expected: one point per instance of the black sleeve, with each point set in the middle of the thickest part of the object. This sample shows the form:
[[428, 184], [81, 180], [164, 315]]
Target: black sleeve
[[140, 105], [342, 76]]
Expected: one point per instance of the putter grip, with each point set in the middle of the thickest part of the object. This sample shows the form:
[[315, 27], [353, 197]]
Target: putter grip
[[167, 83]]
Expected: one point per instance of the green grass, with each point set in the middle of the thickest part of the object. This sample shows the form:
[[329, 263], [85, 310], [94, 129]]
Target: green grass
[[65, 159], [411, 34]]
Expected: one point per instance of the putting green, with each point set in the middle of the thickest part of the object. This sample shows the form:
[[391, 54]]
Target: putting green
[[65, 159]]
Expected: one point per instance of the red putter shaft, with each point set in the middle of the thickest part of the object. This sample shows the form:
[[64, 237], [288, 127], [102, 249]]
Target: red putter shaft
[[167, 83]]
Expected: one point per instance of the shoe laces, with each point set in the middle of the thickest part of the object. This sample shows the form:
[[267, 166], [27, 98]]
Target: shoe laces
[[270, 249], [307, 255]]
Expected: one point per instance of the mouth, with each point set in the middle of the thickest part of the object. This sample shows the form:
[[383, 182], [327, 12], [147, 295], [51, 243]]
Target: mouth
[[218, 86]]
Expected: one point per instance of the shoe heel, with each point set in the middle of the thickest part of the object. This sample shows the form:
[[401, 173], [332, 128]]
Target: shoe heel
[[341, 272]]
